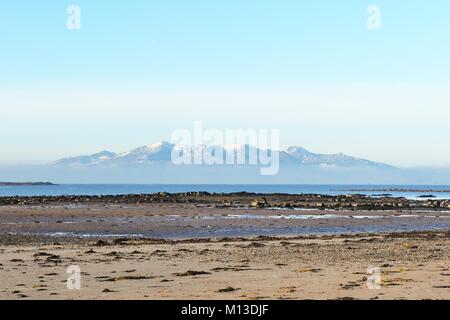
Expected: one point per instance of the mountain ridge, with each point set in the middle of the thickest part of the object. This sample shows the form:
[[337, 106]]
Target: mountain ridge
[[161, 152]]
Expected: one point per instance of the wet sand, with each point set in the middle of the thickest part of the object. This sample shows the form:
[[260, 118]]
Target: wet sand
[[181, 221]]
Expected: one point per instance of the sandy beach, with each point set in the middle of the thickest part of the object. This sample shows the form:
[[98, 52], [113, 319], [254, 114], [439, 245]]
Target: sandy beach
[[413, 266], [198, 251]]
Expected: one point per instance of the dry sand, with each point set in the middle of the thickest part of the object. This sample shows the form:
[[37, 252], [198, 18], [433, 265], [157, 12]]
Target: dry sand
[[413, 266]]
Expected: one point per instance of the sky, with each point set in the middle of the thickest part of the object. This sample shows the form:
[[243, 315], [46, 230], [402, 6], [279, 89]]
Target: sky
[[138, 70]]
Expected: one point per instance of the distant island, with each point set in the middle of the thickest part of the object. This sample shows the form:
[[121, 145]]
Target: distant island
[[26, 184]]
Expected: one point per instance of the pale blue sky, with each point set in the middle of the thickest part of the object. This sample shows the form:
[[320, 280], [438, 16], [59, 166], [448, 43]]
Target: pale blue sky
[[137, 70]]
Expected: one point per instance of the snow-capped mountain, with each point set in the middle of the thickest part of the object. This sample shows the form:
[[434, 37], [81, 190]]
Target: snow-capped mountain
[[306, 157], [153, 164], [161, 152], [92, 159]]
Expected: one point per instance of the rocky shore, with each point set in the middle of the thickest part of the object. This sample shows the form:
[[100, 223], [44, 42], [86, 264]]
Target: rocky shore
[[242, 200]]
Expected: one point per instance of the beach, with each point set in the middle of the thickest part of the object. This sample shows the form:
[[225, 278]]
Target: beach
[[200, 247], [413, 266]]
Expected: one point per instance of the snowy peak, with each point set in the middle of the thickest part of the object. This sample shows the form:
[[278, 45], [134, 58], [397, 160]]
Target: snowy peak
[[306, 157], [87, 159], [297, 150], [161, 152]]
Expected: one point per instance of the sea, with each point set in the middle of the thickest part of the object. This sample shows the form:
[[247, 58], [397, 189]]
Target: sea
[[407, 191]]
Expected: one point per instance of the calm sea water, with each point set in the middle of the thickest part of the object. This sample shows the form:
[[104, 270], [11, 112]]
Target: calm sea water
[[116, 189]]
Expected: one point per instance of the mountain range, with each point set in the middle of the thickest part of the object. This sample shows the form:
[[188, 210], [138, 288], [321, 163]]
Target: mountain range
[[152, 164], [161, 152]]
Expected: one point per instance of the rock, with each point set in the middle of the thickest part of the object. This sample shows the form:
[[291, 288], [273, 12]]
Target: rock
[[191, 273], [101, 243], [260, 203], [228, 289]]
